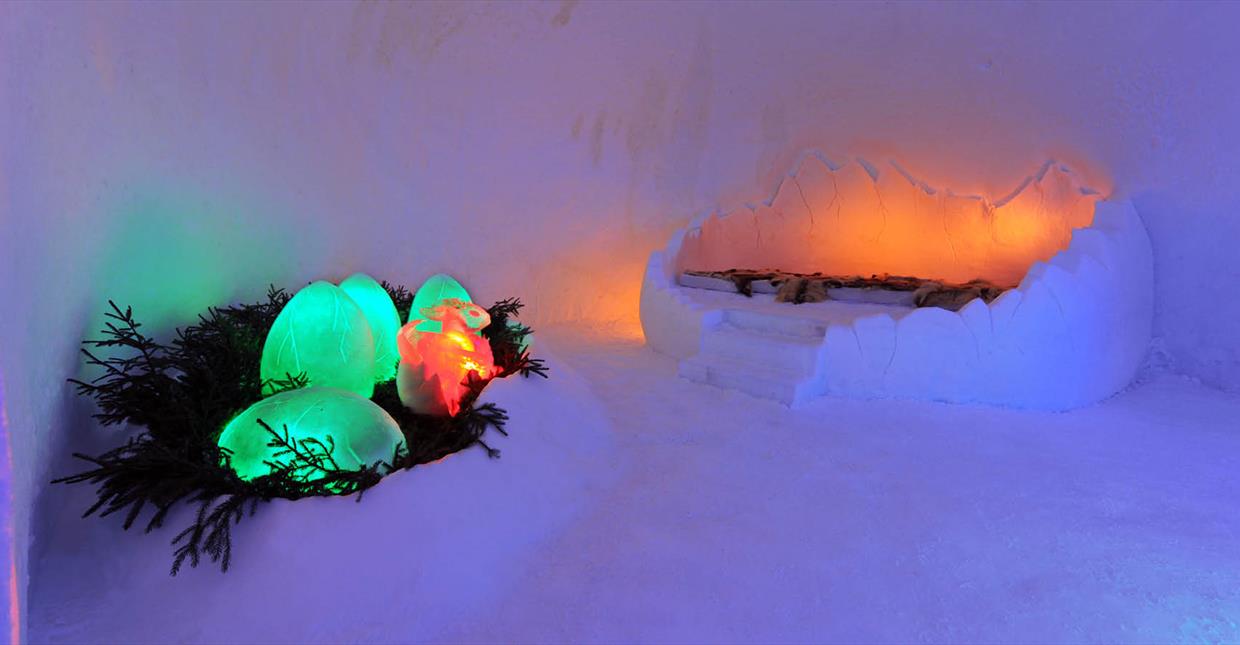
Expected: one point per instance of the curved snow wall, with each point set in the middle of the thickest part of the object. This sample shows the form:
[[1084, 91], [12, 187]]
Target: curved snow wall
[[1073, 330], [858, 219]]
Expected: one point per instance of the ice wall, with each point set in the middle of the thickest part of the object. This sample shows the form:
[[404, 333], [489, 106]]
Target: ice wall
[[10, 609], [175, 155]]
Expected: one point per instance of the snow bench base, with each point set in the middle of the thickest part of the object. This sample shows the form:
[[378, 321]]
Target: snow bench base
[[1074, 331]]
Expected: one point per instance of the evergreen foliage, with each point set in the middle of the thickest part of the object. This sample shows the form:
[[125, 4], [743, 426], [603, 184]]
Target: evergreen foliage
[[182, 393], [506, 341]]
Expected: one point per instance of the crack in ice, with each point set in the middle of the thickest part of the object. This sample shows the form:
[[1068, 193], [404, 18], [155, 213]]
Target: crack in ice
[[882, 208], [809, 208], [946, 233]]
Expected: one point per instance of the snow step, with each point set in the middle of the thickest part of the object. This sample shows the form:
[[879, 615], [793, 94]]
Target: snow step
[[785, 325], [798, 354], [761, 381]]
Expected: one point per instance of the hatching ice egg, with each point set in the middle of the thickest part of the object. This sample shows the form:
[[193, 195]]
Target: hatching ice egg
[[436, 369]]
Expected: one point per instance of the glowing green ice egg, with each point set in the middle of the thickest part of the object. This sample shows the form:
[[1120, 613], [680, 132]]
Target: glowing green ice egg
[[435, 290], [380, 313], [322, 333], [361, 431]]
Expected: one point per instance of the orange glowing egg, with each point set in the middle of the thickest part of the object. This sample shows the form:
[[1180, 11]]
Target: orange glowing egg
[[436, 368]]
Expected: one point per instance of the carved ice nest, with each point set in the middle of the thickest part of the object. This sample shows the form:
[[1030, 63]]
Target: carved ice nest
[[1072, 331]]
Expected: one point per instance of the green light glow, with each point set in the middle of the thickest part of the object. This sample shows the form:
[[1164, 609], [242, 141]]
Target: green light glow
[[322, 333], [380, 313], [170, 250], [435, 290], [363, 433]]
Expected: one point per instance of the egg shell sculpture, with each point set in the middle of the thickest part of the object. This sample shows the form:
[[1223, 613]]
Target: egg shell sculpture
[[362, 433], [323, 334], [376, 304], [435, 368], [435, 290]]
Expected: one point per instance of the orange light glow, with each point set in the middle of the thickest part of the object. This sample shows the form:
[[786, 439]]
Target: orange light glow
[[436, 367], [460, 340], [470, 365], [845, 222]]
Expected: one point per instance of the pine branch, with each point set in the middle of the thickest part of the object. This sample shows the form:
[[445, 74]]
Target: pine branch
[[136, 386], [401, 297], [506, 340], [211, 532]]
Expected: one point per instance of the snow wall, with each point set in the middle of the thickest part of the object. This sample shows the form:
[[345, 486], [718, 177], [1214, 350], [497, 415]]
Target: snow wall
[[175, 156]]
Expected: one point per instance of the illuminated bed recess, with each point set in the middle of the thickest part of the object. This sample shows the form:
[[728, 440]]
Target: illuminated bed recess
[[1065, 320]]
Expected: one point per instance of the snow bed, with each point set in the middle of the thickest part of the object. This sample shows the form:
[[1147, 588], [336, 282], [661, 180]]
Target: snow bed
[[1073, 332], [421, 552]]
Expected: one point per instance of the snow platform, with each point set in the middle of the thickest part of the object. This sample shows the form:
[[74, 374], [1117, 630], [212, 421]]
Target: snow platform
[[766, 348], [1073, 332]]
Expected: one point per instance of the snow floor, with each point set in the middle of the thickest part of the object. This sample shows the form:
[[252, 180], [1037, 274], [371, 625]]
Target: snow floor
[[725, 518]]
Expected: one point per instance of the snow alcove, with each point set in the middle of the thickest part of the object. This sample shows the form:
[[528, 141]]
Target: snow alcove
[[1040, 299]]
